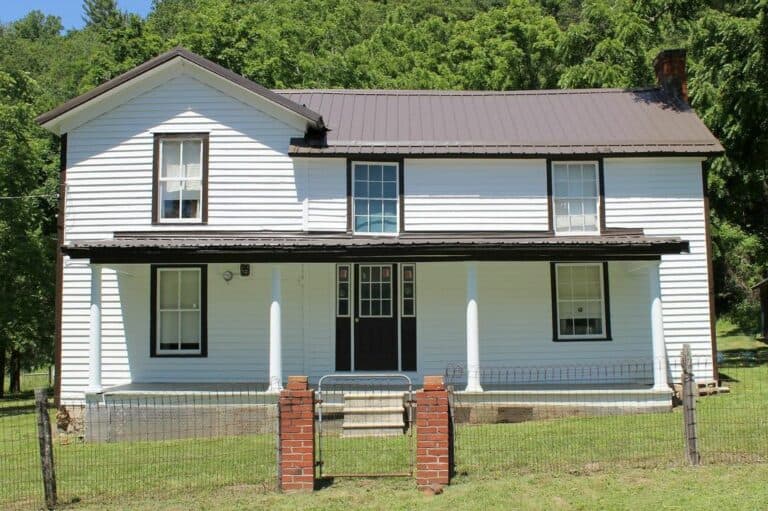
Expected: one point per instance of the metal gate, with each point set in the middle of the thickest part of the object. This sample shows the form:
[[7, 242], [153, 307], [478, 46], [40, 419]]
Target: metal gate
[[365, 425]]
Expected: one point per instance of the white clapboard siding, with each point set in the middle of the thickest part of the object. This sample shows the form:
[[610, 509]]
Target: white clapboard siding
[[475, 195], [665, 198], [253, 183]]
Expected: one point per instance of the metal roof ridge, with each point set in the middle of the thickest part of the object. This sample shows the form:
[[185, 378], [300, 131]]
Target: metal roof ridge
[[457, 92]]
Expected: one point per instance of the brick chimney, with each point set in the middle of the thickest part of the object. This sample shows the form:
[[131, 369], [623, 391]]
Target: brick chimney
[[669, 66]]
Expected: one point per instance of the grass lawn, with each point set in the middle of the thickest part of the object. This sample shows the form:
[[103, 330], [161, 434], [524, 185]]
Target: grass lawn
[[611, 462]]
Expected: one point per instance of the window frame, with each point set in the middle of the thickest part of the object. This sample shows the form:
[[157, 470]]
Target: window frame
[[403, 299], [399, 184], [599, 176], [157, 218], [154, 341], [606, 308]]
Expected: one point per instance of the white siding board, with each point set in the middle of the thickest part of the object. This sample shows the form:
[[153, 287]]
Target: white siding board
[[665, 198], [475, 194]]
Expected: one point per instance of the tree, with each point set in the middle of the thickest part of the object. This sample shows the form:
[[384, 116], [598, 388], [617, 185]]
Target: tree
[[101, 13]]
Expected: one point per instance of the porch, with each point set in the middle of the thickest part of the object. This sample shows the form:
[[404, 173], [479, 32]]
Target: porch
[[423, 311]]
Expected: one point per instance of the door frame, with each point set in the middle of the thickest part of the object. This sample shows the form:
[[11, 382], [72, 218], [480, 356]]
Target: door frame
[[353, 304]]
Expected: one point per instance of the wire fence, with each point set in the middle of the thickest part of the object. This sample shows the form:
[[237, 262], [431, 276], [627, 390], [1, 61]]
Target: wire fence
[[132, 444], [364, 426], [584, 418], [575, 418]]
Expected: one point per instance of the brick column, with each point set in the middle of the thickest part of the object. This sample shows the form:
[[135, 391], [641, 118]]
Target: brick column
[[297, 435], [433, 434]]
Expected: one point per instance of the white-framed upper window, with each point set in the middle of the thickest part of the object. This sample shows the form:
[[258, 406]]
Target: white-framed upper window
[[180, 308], [576, 197], [375, 198], [580, 301], [180, 178]]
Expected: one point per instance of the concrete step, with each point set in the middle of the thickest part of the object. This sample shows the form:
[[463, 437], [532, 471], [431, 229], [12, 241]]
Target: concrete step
[[373, 414]]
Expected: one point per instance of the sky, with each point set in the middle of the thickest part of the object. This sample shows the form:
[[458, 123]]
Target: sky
[[70, 11]]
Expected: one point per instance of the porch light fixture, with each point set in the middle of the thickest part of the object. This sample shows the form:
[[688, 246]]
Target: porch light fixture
[[227, 276]]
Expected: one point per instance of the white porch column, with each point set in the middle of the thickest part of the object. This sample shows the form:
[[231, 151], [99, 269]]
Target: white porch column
[[275, 335], [473, 331], [94, 336], [660, 381]]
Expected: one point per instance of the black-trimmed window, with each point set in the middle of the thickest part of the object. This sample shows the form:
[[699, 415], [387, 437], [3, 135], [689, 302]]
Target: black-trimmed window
[[580, 301], [375, 197], [180, 168], [576, 197], [343, 282], [179, 310]]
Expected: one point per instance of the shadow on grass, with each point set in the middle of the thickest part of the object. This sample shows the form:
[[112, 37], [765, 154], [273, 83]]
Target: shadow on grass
[[743, 358]]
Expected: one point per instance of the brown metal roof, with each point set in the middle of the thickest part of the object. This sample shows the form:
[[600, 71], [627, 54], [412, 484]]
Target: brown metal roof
[[526, 123], [206, 64], [321, 247]]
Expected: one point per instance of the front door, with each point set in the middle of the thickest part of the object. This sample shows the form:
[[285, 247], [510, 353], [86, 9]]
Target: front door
[[375, 317]]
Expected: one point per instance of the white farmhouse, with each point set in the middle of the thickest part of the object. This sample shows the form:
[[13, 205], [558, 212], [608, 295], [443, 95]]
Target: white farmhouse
[[217, 232]]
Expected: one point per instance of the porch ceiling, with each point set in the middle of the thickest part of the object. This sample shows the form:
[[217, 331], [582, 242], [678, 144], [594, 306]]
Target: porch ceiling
[[208, 246]]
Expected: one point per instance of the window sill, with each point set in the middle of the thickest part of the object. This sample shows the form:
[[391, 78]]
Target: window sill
[[582, 339], [178, 355]]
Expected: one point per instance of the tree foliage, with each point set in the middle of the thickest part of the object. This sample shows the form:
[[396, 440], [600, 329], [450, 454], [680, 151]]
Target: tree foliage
[[457, 44]]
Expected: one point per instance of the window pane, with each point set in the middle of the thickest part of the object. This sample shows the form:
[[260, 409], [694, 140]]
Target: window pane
[[390, 224], [170, 193], [365, 290], [385, 290], [374, 189], [390, 173], [408, 290], [386, 308], [171, 155], [375, 307], [190, 289], [361, 172], [390, 207], [365, 308], [190, 203], [190, 327], [343, 290], [390, 190], [361, 188], [376, 224], [374, 173], [191, 155], [376, 207], [361, 223], [169, 328], [361, 207], [343, 308], [408, 308], [169, 289]]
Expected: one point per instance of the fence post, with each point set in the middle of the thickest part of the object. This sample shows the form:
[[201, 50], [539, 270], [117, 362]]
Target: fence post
[[46, 447], [689, 406], [433, 434], [297, 435]]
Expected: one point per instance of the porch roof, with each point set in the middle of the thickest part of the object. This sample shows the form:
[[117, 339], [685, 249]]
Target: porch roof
[[200, 246]]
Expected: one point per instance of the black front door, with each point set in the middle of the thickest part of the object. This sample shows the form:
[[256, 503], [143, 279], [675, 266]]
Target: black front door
[[376, 317]]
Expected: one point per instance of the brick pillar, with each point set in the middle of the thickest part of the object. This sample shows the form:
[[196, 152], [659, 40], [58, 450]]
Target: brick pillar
[[433, 434], [297, 435]]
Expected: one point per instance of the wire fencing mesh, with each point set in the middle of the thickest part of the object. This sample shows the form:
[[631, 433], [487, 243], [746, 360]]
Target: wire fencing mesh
[[592, 416], [365, 426], [20, 475], [130, 444]]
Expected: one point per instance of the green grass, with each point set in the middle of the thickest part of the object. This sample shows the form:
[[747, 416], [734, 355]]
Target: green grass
[[606, 462], [731, 338], [710, 488], [29, 381]]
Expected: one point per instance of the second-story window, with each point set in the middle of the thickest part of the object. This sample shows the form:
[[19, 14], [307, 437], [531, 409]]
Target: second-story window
[[576, 195], [375, 197], [181, 173]]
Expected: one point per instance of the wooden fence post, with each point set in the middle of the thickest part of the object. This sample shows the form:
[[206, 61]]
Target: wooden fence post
[[46, 447], [689, 406]]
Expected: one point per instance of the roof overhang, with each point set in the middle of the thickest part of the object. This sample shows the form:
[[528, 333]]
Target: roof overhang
[[292, 247], [96, 101]]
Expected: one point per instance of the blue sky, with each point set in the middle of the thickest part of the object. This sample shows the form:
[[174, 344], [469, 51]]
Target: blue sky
[[70, 11]]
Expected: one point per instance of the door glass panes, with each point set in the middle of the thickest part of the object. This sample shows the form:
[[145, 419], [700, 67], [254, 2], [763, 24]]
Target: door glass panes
[[179, 311], [375, 197], [580, 300], [342, 290], [576, 196], [375, 291], [409, 290], [181, 179]]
